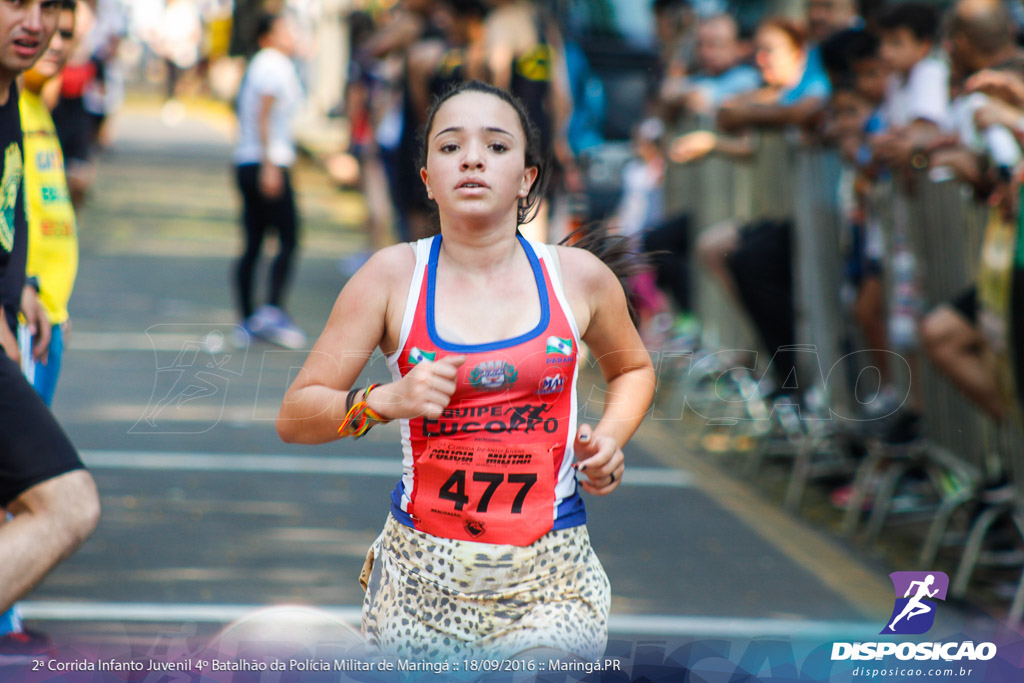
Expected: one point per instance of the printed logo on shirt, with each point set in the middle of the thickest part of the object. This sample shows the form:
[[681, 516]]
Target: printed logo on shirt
[[417, 355], [535, 64], [53, 194], [48, 159], [474, 527], [551, 384], [488, 420], [559, 350], [10, 186], [57, 228], [493, 375]]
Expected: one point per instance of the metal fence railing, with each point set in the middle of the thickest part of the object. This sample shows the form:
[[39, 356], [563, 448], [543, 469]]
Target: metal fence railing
[[932, 225]]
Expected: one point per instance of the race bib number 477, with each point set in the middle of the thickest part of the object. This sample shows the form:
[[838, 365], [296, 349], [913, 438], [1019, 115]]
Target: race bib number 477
[[492, 493]]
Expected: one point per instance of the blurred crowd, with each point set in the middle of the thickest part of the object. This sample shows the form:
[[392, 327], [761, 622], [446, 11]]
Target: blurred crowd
[[899, 88], [904, 90]]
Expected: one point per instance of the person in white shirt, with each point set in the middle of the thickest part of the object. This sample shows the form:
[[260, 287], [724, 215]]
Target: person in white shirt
[[267, 100], [916, 107]]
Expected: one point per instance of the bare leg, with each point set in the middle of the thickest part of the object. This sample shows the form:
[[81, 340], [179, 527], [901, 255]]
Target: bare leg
[[869, 309], [50, 521], [954, 345]]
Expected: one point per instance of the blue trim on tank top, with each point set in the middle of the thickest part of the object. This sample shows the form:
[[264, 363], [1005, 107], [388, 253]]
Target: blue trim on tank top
[[542, 293], [571, 511]]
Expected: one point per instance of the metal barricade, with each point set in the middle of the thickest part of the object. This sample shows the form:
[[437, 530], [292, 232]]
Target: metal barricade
[[997, 311], [933, 234], [818, 273], [710, 191], [942, 227], [821, 320]]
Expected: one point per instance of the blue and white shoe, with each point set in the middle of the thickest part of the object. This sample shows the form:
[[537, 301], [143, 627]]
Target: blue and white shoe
[[274, 325]]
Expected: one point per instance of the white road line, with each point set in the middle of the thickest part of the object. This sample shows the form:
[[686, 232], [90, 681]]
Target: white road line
[[227, 462], [618, 624], [306, 464], [141, 341]]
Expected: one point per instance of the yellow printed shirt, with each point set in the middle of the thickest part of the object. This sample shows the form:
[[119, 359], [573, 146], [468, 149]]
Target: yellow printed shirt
[[53, 238]]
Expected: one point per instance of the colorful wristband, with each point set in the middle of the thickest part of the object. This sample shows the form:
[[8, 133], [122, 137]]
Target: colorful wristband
[[360, 417]]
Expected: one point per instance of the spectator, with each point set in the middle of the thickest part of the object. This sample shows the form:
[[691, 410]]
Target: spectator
[[269, 97], [719, 73], [800, 101], [916, 106], [43, 483], [674, 21], [753, 261], [980, 38], [525, 55], [53, 236], [74, 124]]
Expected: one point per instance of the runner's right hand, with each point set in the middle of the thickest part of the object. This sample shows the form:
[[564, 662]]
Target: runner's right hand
[[424, 392]]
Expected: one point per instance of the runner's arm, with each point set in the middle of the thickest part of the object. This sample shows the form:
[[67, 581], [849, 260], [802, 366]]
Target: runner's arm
[[314, 405], [614, 343]]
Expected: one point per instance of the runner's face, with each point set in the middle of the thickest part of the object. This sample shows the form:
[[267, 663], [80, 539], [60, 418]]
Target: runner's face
[[476, 152], [52, 61], [26, 27]]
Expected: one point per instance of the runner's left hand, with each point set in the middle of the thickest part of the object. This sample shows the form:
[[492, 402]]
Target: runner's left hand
[[599, 457]]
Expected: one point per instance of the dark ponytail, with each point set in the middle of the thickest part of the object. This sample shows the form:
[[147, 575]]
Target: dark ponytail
[[615, 251]]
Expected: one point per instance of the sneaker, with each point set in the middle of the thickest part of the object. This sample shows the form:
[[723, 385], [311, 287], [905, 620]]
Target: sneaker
[[900, 428], [24, 646], [686, 331], [274, 325]]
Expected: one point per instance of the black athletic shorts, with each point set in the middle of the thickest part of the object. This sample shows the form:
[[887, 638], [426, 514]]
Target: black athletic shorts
[[33, 447], [966, 304]]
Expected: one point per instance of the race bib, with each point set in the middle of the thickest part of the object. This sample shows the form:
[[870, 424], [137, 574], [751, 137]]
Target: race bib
[[490, 493]]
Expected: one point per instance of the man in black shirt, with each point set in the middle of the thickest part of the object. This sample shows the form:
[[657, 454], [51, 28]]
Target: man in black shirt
[[43, 484]]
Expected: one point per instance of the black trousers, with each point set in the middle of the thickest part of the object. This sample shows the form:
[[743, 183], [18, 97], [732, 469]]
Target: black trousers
[[259, 214], [762, 268], [670, 242]]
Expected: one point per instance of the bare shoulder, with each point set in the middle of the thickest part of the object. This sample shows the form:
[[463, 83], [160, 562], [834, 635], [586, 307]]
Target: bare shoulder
[[389, 264], [385, 279], [589, 284], [583, 271], [385, 273]]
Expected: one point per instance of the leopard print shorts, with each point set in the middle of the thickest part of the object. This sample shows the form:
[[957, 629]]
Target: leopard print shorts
[[430, 598]]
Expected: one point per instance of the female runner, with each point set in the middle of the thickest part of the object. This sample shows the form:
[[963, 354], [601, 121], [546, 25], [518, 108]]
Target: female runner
[[486, 551]]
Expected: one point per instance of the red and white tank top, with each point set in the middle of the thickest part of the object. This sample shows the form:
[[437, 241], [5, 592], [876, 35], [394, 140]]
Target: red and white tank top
[[496, 467]]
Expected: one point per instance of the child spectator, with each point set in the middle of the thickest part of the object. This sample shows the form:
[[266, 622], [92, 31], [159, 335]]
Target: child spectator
[[916, 106]]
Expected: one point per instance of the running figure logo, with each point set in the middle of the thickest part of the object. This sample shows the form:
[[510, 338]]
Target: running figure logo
[[194, 368], [914, 612]]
